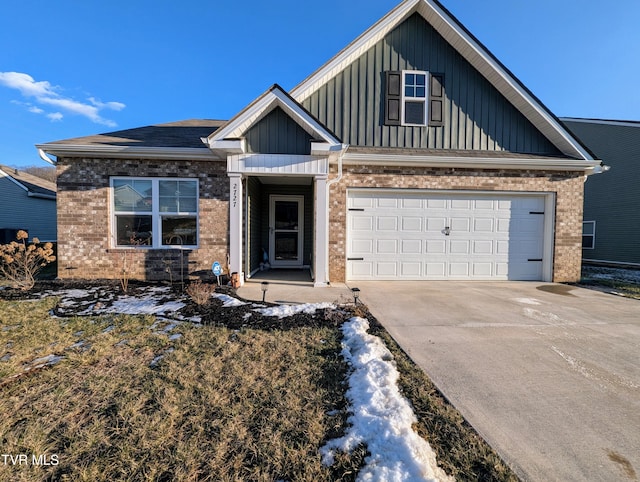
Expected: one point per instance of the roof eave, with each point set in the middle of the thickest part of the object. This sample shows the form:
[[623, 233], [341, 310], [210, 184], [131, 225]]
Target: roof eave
[[525, 164], [123, 152]]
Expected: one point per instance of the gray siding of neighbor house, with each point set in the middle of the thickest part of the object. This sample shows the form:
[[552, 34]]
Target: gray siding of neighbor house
[[476, 116], [612, 198], [277, 133], [19, 211]]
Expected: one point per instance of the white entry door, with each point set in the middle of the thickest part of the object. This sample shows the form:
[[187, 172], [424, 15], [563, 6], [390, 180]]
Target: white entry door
[[398, 234], [286, 227]]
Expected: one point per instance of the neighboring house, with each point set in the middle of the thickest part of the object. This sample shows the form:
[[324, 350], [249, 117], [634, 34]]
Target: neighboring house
[[611, 227], [412, 154], [26, 202]]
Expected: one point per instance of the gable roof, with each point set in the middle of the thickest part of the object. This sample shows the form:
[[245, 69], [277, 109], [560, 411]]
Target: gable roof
[[34, 185], [471, 49], [228, 137]]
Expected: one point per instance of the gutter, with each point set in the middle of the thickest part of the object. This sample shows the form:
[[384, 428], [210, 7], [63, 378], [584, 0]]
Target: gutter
[[45, 158]]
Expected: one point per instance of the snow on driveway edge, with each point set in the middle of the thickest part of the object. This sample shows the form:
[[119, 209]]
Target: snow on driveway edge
[[381, 417]]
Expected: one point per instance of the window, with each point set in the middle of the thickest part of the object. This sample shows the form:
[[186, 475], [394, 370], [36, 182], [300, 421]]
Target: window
[[588, 235], [155, 213], [414, 98]]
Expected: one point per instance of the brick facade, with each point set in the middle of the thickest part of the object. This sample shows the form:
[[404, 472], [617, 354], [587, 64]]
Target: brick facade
[[85, 249], [568, 187]]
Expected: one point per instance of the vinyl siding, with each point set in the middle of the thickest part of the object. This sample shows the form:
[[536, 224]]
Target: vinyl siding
[[277, 133], [611, 198], [476, 116], [19, 211]]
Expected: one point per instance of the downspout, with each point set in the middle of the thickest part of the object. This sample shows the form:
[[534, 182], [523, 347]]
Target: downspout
[[46, 158], [330, 182]]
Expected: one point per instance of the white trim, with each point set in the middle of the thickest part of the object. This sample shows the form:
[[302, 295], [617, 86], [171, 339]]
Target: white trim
[[299, 262], [252, 114], [235, 225], [124, 152], [320, 259], [277, 164], [546, 164], [470, 49], [155, 213], [549, 215], [593, 234], [13, 180], [404, 98]]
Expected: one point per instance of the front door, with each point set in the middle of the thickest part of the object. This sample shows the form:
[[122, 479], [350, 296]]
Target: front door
[[286, 226]]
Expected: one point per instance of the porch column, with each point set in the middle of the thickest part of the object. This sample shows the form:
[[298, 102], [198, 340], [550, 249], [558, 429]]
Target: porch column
[[235, 224], [321, 254]]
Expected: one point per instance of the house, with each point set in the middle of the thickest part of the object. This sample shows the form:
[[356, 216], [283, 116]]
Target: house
[[611, 227], [412, 154], [27, 202]]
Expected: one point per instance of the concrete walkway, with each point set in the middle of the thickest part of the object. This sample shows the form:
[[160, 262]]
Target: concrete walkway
[[290, 286], [548, 374]]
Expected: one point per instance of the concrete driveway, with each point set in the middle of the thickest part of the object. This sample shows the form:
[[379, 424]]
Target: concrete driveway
[[548, 374]]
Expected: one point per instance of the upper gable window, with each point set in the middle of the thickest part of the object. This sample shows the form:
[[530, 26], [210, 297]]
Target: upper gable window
[[414, 98]]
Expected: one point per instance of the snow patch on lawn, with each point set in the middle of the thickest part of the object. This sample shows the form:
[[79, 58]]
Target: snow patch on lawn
[[282, 311], [381, 417], [228, 301]]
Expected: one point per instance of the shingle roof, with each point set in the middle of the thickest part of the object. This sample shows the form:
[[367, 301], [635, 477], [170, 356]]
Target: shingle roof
[[186, 133], [33, 184]]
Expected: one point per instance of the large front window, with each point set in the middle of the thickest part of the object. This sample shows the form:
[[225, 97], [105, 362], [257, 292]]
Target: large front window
[[154, 212]]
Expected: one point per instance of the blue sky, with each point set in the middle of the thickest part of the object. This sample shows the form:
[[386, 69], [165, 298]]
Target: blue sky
[[71, 68]]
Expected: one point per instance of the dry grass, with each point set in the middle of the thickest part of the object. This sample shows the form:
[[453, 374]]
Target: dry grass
[[221, 404], [224, 405]]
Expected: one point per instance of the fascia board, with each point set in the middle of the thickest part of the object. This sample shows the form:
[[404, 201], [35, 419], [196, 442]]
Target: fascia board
[[13, 180], [120, 152], [609, 122], [478, 56], [356, 48], [470, 49], [588, 166], [260, 108]]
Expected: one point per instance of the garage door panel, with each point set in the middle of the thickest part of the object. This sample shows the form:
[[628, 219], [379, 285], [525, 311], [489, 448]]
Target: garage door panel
[[403, 235], [386, 269], [361, 246], [459, 225], [411, 246]]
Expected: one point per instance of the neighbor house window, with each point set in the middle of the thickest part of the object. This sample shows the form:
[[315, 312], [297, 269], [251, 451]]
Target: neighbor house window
[[414, 98], [155, 213], [588, 235]]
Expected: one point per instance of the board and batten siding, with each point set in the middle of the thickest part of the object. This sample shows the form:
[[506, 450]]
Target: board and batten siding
[[277, 133], [19, 211], [476, 115], [611, 198]]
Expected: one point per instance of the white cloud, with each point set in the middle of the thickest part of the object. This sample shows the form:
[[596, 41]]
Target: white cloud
[[46, 94], [55, 116]]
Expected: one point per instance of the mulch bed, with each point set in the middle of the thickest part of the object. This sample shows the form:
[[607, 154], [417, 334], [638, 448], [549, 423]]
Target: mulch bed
[[212, 313]]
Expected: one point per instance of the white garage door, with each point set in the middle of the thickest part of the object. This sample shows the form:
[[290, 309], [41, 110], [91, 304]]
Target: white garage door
[[410, 235]]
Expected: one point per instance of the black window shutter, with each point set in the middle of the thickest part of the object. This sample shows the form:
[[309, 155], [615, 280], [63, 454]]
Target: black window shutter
[[436, 100], [392, 98]]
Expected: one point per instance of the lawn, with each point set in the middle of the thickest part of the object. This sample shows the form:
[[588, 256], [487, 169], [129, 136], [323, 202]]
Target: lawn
[[622, 282], [249, 398]]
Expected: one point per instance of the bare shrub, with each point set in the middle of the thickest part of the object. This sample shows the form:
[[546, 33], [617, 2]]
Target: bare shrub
[[20, 261], [200, 292]]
